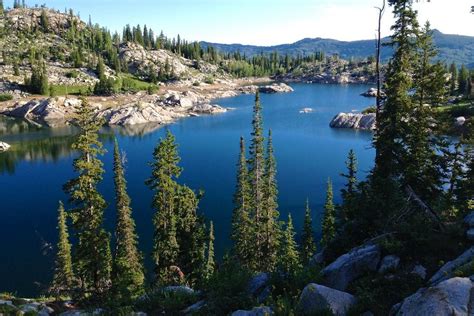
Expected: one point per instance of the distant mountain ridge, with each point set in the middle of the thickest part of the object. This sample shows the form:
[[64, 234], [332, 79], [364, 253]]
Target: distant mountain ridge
[[452, 48]]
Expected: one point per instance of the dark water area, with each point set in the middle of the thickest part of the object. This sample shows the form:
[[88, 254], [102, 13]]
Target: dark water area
[[307, 150]]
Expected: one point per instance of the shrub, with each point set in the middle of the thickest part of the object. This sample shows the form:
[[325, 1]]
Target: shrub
[[5, 97], [72, 74], [209, 80]]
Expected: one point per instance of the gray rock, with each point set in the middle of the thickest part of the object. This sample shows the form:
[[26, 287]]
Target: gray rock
[[179, 289], [459, 121], [203, 108], [257, 311], [317, 298], [276, 88], [372, 93], [196, 307], [5, 302], [448, 269], [4, 146], [318, 258], [419, 270], [449, 297], [30, 307], [470, 234], [389, 263], [258, 283], [45, 311], [350, 266], [354, 120], [469, 219]]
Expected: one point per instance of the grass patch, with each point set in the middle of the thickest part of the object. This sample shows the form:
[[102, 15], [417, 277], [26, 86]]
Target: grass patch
[[60, 90], [131, 83], [5, 97]]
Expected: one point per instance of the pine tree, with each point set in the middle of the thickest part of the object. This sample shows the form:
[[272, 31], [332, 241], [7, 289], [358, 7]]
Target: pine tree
[[44, 21], [63, 280], [210, 264], [391, 127], [420, 167], [127, 270], [349, 191], [463, 80], [270, 214], [2, 9], [241, 222], [329, 220], [289, 257], [453, 70], [257, 182], [308, 246], [165, 170], [93, 259]]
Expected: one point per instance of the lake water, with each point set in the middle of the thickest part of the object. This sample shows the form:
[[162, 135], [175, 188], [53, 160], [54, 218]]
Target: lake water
[[306, 149]]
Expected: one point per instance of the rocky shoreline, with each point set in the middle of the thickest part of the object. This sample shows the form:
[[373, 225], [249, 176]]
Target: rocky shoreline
[[174, 102]]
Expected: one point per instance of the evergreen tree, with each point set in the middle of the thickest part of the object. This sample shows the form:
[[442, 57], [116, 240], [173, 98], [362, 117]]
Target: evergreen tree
[[241, 222], [390, 134], [257, 183], [350, 188], [463, 80], [329, 220], [63, 280], [38, 82], [210, 264], [308, 246], [453, 70], [289, 258], [93, 260], [270, 214], [420, 162], [2, 9], [44, 21], [165, 170], [127, 270]]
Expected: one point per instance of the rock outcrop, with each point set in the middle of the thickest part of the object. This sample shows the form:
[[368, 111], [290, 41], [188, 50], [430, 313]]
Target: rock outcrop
[[447, 271], [372, 93], [276, 88], [354, 120], [4, 146], [350, 266], [257, 311], [450, 297], [317, 299], [389, 263]]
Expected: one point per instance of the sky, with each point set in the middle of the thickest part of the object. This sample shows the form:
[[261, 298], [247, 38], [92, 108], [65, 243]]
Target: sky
[[263, 22]]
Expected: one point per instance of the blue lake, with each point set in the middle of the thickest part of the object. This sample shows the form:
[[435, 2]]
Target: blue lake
[[308, 152]]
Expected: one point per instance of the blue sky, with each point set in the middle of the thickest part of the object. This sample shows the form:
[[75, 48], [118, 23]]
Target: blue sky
[[262, 22]]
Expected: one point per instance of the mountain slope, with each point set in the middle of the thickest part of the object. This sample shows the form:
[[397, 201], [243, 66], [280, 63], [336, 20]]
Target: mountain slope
[[457, 48]]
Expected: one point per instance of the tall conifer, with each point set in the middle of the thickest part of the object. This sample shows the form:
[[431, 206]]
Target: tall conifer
[[329, 219], [241, 222], [289, 258], [127, 270], [63, 280], [270, 214], [308, 246], [93, 260]]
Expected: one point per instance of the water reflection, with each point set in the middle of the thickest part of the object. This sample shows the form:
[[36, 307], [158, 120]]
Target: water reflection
[[33, 142]]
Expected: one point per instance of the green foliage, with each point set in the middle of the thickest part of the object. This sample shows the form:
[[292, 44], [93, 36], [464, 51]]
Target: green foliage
[[5, 97], [227, 289], [179, 245], [63, 280], [127, 270], [165, 302], [241, 221], [308, 246], [210, 263], [288, 256], [92, 259], [38, 83], [73, 74], [329, 219]]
